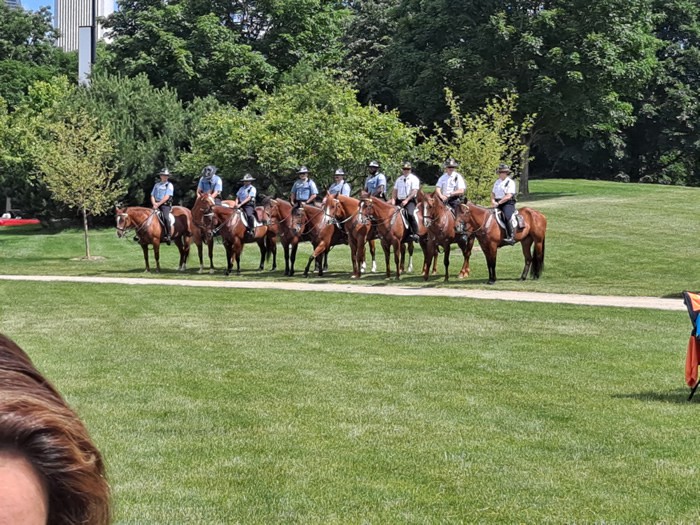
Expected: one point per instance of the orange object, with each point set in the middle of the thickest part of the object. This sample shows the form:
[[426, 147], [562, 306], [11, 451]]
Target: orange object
[[692, 359]]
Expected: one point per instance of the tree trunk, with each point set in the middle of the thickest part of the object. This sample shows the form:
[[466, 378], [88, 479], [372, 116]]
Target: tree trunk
[[85, 228], [525, 164]]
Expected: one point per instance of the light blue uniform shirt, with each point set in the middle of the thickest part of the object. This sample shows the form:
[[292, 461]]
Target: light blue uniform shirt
[[244, 192], [341, 187], [209, 186], [373, 183], [161, 189], [304, 189]]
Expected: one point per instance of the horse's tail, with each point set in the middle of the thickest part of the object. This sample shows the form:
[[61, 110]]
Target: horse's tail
[[538, 258]]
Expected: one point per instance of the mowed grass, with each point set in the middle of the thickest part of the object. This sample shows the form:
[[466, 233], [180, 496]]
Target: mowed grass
[[241, 406], [602, 238]]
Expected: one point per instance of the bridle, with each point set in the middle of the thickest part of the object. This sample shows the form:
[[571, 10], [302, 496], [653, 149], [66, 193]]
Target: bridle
[[126, 218]]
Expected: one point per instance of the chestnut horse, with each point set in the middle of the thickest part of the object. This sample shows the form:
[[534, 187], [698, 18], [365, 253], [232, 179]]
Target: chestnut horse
[[148, 230], [441, 224], [481, 222], [321, 231], [202, 217], [391, 231], [280, 212], [229, 222], [345, 212]]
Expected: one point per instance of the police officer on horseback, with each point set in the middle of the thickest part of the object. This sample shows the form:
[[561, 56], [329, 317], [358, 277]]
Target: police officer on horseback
[[304, 190], [404, 193], [375, 184], [210, 184], [339, 187], [503, 197], [451, 187], [245, 200], [162, 199]]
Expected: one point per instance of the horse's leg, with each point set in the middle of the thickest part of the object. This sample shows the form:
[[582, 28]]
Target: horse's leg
[[436, 255], [316, 255], [293, 258], [410, 258], [210, 248], [200, 252], [446, 260], [403, 256], [373, 252], [144, 247], [490, 250], [354, 252], [538, 261], [427, 257], [229, 258], [179, 242], [398, 247], [263, 253], [237, 250], [526, 245], [156, 253], [324, 267], [272, 249], [285, 247], [387, 253], [466, 253]]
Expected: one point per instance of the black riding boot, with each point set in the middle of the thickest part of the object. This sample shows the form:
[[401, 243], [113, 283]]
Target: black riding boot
[[509, 240]]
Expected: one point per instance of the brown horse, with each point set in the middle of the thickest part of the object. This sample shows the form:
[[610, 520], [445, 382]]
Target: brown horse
[[229, 223], [345, 212], [481, 222], [202, 217], [440, 221], [391, 231], [148, 230], [280, 212], [321, 231]]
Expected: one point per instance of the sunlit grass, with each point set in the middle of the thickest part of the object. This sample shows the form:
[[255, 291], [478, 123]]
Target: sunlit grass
[[227, 406]]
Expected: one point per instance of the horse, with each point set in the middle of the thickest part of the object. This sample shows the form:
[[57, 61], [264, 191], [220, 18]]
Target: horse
[[321, 230], [148, 230], [440, 221], [229, 222], [391, 231], [345, 212], [202, 217], [280, 212], [481, 222]]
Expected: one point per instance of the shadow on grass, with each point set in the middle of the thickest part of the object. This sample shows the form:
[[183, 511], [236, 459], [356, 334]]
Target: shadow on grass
[[534, 197], [678, 396]]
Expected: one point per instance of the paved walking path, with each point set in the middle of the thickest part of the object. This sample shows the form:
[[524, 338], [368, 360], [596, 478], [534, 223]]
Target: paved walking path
[[298, 286]]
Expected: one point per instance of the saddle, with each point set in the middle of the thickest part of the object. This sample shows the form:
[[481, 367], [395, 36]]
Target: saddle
[[171, 217], [517, 221], [260, 217], [404, 217]]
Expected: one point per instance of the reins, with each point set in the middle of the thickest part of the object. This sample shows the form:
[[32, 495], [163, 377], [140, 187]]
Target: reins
[[146, 222]]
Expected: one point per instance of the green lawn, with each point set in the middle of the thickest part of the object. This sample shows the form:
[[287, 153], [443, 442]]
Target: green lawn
[[263, 406], [231, 406], [603, 238]]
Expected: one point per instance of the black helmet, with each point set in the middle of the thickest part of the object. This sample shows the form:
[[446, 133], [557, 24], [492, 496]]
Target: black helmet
[[208, 172]]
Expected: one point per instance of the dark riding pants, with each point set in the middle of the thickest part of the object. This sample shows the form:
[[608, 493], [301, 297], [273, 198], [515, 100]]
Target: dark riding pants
[[508, 210], [165, 213], [249, 211], [454, 202], [410, 209]]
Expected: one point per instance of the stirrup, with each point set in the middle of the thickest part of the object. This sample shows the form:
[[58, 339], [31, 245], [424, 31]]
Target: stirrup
[[509, 241]]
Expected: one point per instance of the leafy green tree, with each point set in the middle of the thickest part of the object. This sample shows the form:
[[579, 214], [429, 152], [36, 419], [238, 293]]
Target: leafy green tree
[[224, 49], [578, 65], [318, 123], [148, 126], [76, 165], [480, 141], [28, 53]]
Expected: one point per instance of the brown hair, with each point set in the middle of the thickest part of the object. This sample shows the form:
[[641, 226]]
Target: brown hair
[[36, 422]]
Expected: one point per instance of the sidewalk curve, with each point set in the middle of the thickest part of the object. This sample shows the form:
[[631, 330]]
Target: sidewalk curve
[[297, 286]]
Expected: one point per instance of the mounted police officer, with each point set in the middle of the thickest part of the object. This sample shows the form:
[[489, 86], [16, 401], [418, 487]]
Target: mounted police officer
[[210, 184], [339, 187], [405, 190], [245, 200], [503, 197], [451, 187], [375, 184], [304, 190], [162, 199]]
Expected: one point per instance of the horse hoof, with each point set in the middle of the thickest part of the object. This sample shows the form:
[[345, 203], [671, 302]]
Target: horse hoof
[[491, 282], [212, 271], [200, 271]]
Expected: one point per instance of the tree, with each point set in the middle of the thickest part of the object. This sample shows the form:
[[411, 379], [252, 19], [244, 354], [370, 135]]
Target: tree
[[224, 49], [577, 65], [317, 123], [76, 165], [480, 141]]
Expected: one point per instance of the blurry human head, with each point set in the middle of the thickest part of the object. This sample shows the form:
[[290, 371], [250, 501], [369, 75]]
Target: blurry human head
[[42, 438]]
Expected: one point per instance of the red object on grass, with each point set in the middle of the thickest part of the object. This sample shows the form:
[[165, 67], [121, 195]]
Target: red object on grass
[[18, 222]]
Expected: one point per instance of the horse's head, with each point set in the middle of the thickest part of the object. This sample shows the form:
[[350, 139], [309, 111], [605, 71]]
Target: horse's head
[[203, 214], [463, 217], [332, 209], [123, 221], [298, 218]]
